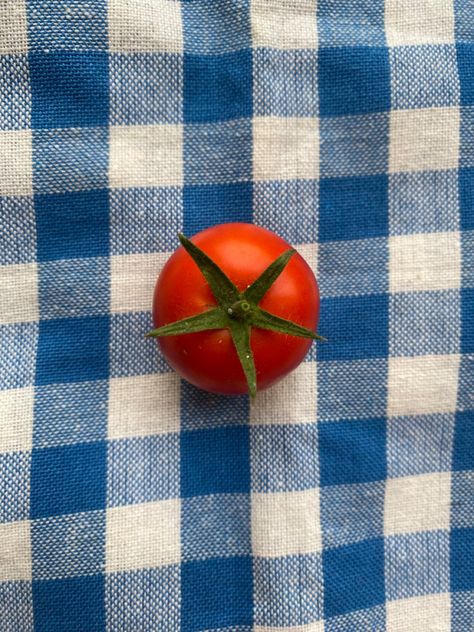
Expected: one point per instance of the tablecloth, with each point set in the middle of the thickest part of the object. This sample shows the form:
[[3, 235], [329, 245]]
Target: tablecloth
[[343, 498]]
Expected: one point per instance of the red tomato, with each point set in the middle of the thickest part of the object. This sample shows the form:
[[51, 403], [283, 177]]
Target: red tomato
[[208, 359]]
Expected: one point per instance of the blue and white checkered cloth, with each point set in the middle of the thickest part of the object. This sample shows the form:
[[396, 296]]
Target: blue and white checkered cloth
[[343, 499]]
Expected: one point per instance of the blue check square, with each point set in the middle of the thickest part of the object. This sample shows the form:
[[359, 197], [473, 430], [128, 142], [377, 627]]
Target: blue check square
[[353, 80], [72, 350], [15, 97], [18, 241], [70, 160], [216, 593], [463, 456], [466, 198], [145, 219], [462, 549], [465, 52], [215, 461], [356, 327], [417, 564], [352, 452], [73, 603], [69, 89], [217, 88], [462, 499], [467, 318], [68, 479], [208, 205], [59, 216], [142, 469], [353, 577], [216, 526], [353, 145], [353, 208]]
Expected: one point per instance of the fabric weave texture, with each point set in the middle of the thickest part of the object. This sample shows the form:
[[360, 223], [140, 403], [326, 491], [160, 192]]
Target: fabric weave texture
[[341, 500]]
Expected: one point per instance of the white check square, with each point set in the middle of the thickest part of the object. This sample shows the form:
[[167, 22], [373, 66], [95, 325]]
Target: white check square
[[285, 148], [424, 139], [143, 536], [146, 156], [16, 419], [133, 279], [283, 24], [144, 405], [15, 551], [19, 293], [286, 523], [145, 26], [16, 163], [424, 262], [13, 27], [417, 503], [291, 401], [417, 22], [428, 613], [422, 385]]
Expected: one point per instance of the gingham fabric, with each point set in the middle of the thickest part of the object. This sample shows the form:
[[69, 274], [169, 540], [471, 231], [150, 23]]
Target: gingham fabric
[[342, 500]]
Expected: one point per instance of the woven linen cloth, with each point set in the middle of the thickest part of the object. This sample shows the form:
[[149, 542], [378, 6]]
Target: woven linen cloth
[[341, 500]]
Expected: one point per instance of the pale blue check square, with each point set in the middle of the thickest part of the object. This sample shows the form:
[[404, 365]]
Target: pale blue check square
[[145, 219], [273, 200], [419, 444], [272, 446], [130, 352], [285, 83], [142, 469], [417, 564], [65, 546]]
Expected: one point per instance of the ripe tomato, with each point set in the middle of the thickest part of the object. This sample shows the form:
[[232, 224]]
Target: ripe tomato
[[208, 359]]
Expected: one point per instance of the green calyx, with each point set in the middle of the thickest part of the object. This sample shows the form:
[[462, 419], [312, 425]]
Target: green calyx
[[236, 311]]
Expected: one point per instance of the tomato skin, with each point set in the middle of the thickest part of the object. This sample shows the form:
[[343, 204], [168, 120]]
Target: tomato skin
[[208, 359]]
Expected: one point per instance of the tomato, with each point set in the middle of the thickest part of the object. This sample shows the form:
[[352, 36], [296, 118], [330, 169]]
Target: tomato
[[208, 359]]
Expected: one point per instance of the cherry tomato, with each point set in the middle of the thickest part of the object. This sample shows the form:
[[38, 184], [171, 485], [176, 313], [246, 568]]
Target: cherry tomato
[[208, 359]]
